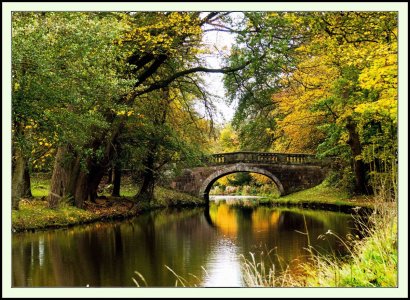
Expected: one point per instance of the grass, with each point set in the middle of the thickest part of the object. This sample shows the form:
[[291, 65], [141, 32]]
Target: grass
[[34, 213], [371, 262], [40, 186], [165, 198], [321, 196]]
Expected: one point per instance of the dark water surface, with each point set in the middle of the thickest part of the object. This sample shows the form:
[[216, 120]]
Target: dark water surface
[[203, 247]]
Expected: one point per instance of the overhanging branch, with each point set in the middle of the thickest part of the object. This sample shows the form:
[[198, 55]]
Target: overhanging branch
[[166, 82]]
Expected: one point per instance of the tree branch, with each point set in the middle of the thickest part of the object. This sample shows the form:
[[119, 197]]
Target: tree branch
[[151, 69], [177, 75]]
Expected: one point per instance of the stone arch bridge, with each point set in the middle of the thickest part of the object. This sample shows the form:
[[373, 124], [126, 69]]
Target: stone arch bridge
[[290, 172]]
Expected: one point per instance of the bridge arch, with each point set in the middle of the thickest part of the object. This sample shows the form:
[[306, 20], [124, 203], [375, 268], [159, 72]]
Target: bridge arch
[[239, 167]]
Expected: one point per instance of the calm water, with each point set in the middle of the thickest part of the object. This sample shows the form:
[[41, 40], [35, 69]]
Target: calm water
[[202, 246]]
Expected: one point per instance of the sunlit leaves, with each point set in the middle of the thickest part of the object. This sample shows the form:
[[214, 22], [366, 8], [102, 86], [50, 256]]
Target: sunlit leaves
[[160, 32]]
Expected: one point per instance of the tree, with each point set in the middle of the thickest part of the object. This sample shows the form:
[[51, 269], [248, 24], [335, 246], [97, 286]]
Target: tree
[[356, 43], [161, 51], [324, 97], [76, 73], [227, 141], [271, 36], [64, 66]]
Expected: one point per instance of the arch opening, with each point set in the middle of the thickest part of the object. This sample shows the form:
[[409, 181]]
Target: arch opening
[[210, 180]]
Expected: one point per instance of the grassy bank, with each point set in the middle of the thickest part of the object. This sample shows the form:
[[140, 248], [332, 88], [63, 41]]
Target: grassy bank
[[34, 213], [371, 262], [323, 196]]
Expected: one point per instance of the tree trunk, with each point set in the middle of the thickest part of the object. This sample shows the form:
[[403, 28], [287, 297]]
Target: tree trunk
[[95, 176], [360, 168], [109, 177], [117, 180], [74, 183], [69, 180], [17, 184], [146, 192], [27, 183], [65, 172], [82, 190]]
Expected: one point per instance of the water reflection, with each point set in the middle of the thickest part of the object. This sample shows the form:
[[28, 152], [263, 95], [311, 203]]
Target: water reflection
[[223, 265], [188, 241]]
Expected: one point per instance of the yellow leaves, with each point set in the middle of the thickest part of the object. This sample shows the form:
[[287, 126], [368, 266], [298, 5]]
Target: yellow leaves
[[344, 137], [163, 32], [294, 19], [310, 82], [16, 86], [228, 139], [381, 77], [31, 124], [269, 131], [383, 108], [225, 180], [381, 74], [124, 112], [42, 142], [260, 179], [301, 48]]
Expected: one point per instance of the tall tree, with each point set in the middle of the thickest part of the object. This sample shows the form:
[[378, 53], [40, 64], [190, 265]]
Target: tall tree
[[161, 50], [336, 90], [64, 66]]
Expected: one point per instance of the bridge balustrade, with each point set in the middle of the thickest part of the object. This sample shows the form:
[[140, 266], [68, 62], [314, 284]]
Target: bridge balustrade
[[262, 157]]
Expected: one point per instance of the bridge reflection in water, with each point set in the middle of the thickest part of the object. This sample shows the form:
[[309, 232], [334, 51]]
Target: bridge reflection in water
[[222, 215]]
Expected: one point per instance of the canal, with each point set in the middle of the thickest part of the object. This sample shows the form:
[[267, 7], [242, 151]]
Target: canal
[[203, 246]]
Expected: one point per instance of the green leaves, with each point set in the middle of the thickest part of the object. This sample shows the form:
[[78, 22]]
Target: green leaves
[[64, 66], [321, 81]]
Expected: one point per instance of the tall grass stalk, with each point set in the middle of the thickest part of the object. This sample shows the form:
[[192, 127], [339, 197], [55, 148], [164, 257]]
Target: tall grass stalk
[[255, 274], [141, 277], [180, 281]]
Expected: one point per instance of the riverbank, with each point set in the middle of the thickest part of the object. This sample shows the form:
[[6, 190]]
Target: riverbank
[[35, 215], [325, 197], [371, 261]]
